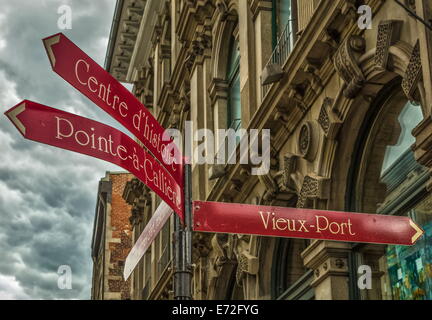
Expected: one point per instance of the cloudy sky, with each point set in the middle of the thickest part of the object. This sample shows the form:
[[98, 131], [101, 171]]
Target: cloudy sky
[[47, 195]]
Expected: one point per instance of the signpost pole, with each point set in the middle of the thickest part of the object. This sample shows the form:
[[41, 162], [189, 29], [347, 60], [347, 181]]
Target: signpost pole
[[183, 244]]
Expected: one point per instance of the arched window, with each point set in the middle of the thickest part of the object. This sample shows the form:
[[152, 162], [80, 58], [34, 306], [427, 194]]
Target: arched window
[[408, 269], [233, 79], [390, 181]]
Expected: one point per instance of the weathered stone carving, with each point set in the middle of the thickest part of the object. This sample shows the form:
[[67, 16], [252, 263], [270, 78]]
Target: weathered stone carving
[[270, 185], [413, 75], [285, 182], [308, 140], [314, 187], [346, 64], [247, 264], [296, 95], [222, 6], [328, 120], [201, 245], [388, 34], [260, 5]]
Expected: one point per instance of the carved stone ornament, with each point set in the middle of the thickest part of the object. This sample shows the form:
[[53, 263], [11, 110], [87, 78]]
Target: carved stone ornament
[[271, 187], [346, 64], [413, 74], [308, 140], [313, 187], [328, 120], [388, 34], [289, 166]]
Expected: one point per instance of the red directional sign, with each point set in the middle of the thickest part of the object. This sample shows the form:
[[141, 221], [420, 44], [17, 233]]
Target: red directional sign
[[83, 73], [71, 132], [151, 230], [304, 223]]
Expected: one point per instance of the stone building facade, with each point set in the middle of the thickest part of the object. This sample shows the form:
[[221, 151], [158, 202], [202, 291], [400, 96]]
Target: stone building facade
[[111, 240], [349, 110]]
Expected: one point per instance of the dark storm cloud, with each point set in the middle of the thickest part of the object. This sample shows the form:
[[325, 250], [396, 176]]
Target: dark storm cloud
[[47, 195]]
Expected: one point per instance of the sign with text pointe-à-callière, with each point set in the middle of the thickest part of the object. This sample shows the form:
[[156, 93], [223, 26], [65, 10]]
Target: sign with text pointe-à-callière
[[93, 81], [304, 223], [75, 133]]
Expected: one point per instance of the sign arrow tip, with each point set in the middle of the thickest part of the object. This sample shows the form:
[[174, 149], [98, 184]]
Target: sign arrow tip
[[418, 234], [13, 113], [48, 43]]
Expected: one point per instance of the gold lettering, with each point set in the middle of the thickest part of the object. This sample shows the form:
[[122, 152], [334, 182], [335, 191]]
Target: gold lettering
[[302, 225], [349, 228], [281, 220], [319, 227], [265, 221]]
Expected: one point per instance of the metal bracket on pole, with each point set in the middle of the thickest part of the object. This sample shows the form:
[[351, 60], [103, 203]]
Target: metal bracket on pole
[[183, 244]]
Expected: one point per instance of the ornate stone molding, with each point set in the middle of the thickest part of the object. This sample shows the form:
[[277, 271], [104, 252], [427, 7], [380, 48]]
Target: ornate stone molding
[[296, 95], [201, 245], [329, 261], [247, 264], [221, 254], [223, 8], [260, 5], [271, 186], [413, 75], [283, 177], [314, 187], [194, 12], [328, 120], [346, 64], [200, 46], [388, 34], [218, 89], [308, 140]]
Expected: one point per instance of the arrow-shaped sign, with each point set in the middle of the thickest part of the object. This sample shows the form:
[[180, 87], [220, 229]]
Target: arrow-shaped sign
[[83, 73], [71, 132], [235, 218], [151, 230]]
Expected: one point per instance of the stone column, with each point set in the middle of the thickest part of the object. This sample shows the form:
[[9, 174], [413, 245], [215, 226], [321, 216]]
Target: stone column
[[218, 90], [247, 63], [329, 261], [200, 56], [197, 103], [165, 60]]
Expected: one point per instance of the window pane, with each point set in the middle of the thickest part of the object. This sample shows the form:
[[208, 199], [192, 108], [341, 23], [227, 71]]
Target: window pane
[[284, 9], [234, 104], [409, 118], [233, 78], [410, 267]]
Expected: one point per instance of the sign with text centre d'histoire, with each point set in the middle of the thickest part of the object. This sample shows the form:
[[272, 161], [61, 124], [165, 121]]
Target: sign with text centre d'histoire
[[93, 81]]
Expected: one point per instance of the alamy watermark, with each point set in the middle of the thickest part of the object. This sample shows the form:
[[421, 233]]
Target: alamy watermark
[[365, 19], [64, 281], [364, 281], [203, 146], [64, 22]]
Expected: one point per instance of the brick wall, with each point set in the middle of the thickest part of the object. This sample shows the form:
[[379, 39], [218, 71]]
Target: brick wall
[[120, 241]]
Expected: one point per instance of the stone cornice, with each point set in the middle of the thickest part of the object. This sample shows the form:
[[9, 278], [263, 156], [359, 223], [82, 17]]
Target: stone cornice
[[260, 5]]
